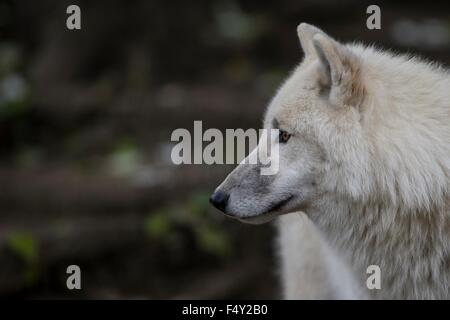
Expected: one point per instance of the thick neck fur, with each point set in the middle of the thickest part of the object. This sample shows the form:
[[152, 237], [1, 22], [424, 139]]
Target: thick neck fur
[[398, 217], [411, 248]]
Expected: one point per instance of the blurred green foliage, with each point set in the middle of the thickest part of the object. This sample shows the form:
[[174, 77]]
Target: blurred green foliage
[[158, 225], [125, 158], [194, 214], [25, 246], [14, 92], [236, 25]]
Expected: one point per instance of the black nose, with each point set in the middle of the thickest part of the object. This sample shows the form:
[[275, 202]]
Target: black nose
[[219, 200]]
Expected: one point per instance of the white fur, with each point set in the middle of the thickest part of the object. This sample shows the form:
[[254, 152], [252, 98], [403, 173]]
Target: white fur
[[312, 269], [386, 199]]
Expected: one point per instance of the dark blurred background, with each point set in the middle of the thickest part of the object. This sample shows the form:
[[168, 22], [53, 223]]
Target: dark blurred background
[[85, 123]]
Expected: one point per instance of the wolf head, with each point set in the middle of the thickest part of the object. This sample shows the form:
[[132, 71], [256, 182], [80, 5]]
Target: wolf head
[[327, 145]]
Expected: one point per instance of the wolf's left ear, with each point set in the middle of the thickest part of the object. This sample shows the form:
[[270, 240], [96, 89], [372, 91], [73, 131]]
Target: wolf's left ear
[[339, 71]]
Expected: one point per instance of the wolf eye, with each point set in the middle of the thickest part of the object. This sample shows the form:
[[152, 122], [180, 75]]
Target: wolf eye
[[284, 136]]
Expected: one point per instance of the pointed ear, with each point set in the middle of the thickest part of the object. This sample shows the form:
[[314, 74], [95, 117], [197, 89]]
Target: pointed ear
[[339, 71], [306, 33]]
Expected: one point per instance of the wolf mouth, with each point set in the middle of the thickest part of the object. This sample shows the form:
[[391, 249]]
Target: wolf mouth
[[271, 213], [277, 206]]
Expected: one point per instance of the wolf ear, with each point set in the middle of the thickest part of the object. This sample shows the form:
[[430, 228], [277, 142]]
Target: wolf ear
[[339, 71], [306, 33]]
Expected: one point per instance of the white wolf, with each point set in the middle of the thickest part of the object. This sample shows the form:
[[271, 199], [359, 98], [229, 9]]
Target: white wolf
[[364, 156]]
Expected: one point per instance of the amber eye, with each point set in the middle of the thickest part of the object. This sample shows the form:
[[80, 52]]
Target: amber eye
[[284, 136]]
